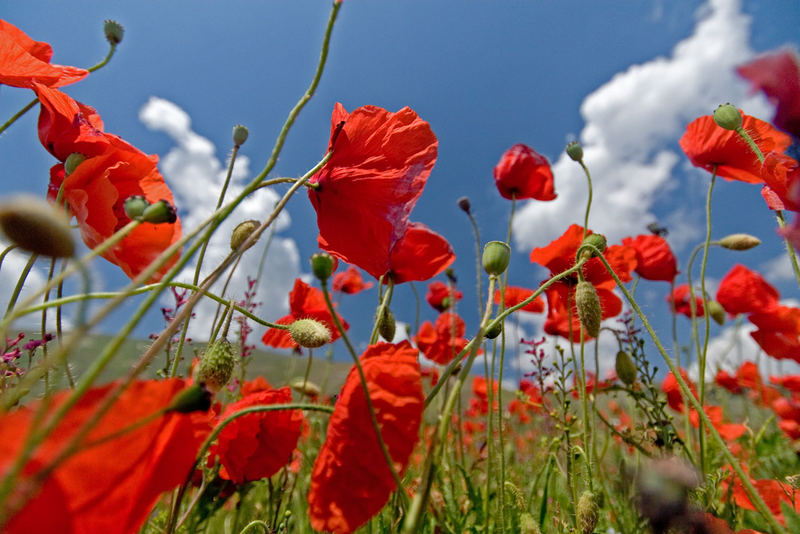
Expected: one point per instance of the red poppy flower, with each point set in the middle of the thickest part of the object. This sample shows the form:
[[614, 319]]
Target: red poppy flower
[[708, 145], [790, 382], [523, 173], [770, 490], [679, 299], [441, 296], [673, 391], [443, 342], [351, 481], [744, 291], [782, 176], [728, 431], [24, 61], [654, 257], [350, 282], [109, 486], [514, 295], [778, 75], [256, 446], [256, 385], [778, 332], [305, 302], [728, 381]]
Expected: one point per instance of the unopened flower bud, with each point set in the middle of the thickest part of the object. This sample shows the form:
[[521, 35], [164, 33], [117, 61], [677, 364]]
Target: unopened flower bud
[[588, 513], [309, 333], [739, 242], [72, 162], [113, 31], [626, 368], [195, 398], [323, 265], [575, 151], [496, 256], [388, 325], [716, 311], [34, 225], [588, 304], [242, 231], [494, 331], [598, 241], [134, 206], [305, 387], [216, 365], [160, 212], [464, 204], [728, 117], [240, 134]]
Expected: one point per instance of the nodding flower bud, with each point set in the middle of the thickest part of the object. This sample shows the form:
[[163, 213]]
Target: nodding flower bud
[[494, 331], [309, 333], [739, 242], [387, 326], [113, 31], [575, 151], [240, 134], [587, 512], [323, 265], [465, 205], [496, 256], [72, 162], [626, 368], [588, 304], [716, 311], [135, 205], [598, 241], [216, 365], [305, 387], [195, 398], [728, 117], [242, 231], [160, 212], [34, 225]]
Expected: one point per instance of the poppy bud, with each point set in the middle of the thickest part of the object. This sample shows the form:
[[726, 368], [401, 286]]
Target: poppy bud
[[626, 368], [598, 241], [34, 225], [496, 256], [242, 231], [388, 325], [739, 242], [195, 398], [160, 212], [588, 513], [240, 134], [728, 117], [134, 206], [323, 265], [528, 525], [575, 151], [305, 387], [113, 31], [464, 204], [216, 365], [716, 311], [494, 331], [588, 304], [72, 162], [309, 333]]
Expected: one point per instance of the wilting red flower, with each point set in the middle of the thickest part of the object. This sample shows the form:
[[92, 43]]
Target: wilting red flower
[[366, 191], [514, 295], [782, 176], [24, 61], [523, 173], [708, 145], [679, 299], [443, 342], [654, 257], [257, 445], [744, 291], [778, 332], [441, 296], [777, 74], [350, 282], [108, 486], [305, 302], [673, 391], [351, 481]]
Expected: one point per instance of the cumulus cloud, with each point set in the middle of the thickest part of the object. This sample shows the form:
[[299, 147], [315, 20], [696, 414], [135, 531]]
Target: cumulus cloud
[[196, 175]]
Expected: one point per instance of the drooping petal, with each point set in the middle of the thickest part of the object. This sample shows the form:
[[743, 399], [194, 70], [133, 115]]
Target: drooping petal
[[24, 61], [420, 255], [67, 126], [777, 74]]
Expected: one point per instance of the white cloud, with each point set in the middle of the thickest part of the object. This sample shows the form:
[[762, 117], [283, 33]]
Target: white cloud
[[778, 269], [196, 175]]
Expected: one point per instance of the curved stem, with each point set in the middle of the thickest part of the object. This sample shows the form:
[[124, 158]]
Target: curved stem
[[789, 247], [589, 202], [18, 288]]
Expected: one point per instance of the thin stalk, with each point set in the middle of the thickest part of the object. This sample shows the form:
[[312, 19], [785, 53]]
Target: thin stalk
[[20, 282], [789, 247], [478, 265], [383, 308]]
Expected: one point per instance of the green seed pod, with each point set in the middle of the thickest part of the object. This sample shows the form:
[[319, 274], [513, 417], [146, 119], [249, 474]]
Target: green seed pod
[[496, 256], [113, 31], [728, 117], [739, 242], [160, 212], [305, 387], [716, 311], [195, 398], [217, 364], [588, 513], [242, 231], [626, 368], [135, 205], [388, 325], [322, 265], [588, 304], [598, 241], [494, 332], [240, 134], [575, 151], [72, 162], [34, 225], [309, 333]]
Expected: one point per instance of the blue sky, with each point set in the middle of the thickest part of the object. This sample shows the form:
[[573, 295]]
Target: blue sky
[[623, 77]]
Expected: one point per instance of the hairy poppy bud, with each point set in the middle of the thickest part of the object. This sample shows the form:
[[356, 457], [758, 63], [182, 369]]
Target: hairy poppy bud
[[494, 332], [598, 241], [34, 225], [496, 256], [242, 231], [528, 525], [195, 398], [388, 325], [716, 311], [626, 368], [323, 265], [113, 31], [575, 151], [72, 162], [135, 205], [739, 242], [160, 212], [588, 304], [305, 387], [588, 513], [464, 204], [240, 134], [309, 333], [728, 117], [216, 365]]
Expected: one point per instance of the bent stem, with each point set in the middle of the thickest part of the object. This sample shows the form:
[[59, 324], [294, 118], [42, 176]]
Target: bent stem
[[789, 247]]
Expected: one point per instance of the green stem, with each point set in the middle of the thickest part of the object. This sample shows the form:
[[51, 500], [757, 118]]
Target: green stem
[[789, 247], [18, 288], [478, 266], [589, 202], [382, 309]]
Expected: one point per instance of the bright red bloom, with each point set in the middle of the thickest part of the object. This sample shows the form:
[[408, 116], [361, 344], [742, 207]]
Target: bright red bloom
[[112, 485], [728, 381], [778, 75], [441, 296], [679, 299], [654, 257], [443, 342], [350, 282], [745, 291], [305, 302], [257, 445], [782, 176], [673, 391], [708, 145], [364, 194], [24, 61], [728, 431], [255, 385], [778, 332], [770, 490], [514, 295], [351, 481], [790, 382], [523, 173]]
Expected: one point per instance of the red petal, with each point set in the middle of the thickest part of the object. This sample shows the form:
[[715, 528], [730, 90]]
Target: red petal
[[420, 254]]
